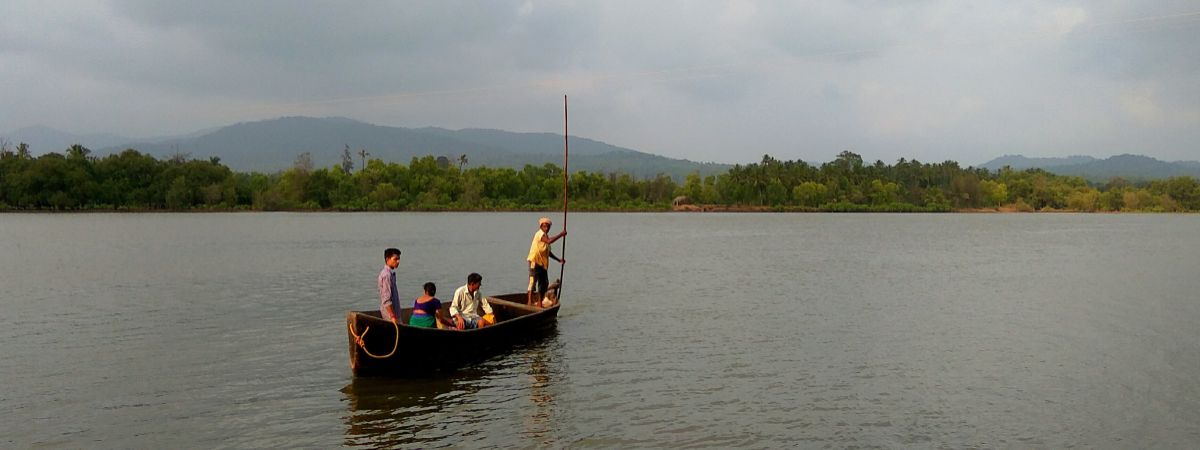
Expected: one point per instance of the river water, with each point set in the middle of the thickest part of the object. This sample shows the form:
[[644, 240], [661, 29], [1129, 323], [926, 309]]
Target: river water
[[677, 330]]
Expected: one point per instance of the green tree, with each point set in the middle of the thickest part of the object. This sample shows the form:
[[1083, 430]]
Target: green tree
[[810, 193], [472, 193], [1183, 190], [130, 179], [179, 195], [386, 197], [994, 193], [883, 193], [23, 151], [1085, 199], [78, 152], [693, 187], [1112, 200], [1137, 200]]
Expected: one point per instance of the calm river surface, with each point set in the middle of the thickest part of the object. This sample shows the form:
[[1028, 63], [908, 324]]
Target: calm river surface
[[677, 330]]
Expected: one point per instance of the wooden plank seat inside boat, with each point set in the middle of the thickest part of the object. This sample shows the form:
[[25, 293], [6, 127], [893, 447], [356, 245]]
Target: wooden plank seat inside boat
[[503, 310]]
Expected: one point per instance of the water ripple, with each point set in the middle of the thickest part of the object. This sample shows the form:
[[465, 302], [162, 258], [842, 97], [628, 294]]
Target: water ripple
[[748, 331]]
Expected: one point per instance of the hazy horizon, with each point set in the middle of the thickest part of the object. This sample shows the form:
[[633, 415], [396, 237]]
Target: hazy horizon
[[116, 140]]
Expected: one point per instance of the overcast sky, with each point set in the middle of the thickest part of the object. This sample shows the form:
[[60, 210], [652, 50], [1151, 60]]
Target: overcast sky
[[702, 80]]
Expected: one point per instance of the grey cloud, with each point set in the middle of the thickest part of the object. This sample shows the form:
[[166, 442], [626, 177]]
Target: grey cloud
[[1167, 53], [722, 81], [330, 47]]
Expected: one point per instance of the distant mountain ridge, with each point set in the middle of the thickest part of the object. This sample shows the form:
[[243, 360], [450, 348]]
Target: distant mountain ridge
[[272, 145], [1019, 162], [1128, 166]]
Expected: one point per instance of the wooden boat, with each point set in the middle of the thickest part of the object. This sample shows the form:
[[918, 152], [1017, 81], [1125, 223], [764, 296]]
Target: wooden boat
[[419, 349]]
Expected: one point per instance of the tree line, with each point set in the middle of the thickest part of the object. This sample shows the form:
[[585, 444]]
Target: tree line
[[130, 180]]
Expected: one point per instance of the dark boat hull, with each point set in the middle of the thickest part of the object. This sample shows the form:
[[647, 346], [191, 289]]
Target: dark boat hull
[[422, 350]]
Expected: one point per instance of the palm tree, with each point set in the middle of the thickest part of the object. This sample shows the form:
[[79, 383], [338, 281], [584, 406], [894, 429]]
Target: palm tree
[[364, 154]]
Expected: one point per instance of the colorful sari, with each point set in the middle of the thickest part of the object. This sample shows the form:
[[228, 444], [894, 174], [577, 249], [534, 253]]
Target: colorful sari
[[422, 320], [429, 319]]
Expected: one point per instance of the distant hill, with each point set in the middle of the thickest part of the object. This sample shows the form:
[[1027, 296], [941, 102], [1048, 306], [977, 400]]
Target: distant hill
[[273, 145], [1130, 167], [1019, 162], [42, 139]]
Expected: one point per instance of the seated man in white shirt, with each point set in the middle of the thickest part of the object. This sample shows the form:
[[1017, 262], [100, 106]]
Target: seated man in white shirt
[[468, 303]]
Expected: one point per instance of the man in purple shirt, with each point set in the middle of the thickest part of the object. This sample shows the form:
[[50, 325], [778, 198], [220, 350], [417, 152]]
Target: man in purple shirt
[[389, 300]]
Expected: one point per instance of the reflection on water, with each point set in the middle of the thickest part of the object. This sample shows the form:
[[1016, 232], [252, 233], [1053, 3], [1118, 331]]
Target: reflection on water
[[387, 412], [450, 407], [541, 417]]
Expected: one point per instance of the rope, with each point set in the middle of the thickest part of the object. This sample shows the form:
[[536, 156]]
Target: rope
[[358, 339]]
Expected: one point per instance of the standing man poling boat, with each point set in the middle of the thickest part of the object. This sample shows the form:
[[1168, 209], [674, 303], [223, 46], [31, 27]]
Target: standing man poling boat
[[539, 261]]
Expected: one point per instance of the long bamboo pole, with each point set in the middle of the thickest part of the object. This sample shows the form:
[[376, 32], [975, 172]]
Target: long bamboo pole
[[566, 180]]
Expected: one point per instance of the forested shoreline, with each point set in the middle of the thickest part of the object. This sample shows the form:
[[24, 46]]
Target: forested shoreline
[[132, 181]]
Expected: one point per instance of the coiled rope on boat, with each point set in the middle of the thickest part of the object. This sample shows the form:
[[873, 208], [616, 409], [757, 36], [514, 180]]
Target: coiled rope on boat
[[358, 339]]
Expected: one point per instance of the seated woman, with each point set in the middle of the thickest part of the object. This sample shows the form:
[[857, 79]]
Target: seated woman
[[427, 310]]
